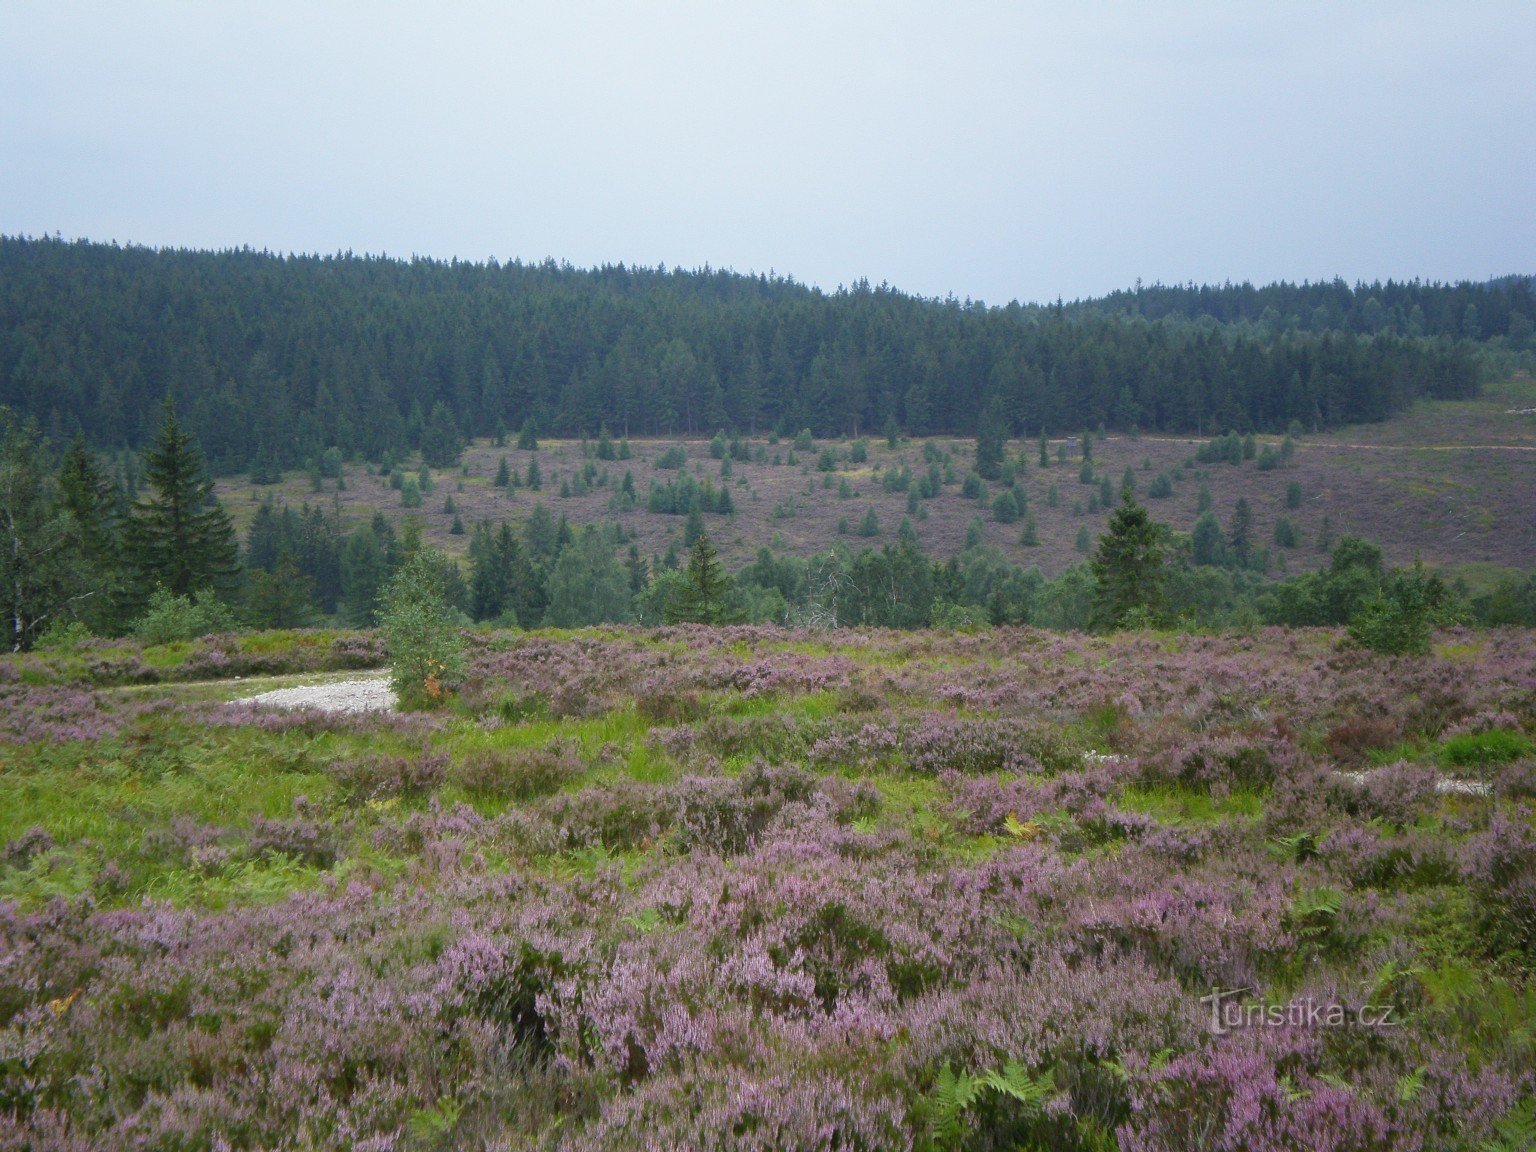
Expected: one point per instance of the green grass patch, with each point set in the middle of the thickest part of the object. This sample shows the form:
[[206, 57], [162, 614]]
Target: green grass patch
[[1495, 746], [1173, 805]]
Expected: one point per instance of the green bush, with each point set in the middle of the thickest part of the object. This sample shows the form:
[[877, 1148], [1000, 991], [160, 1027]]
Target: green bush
[[171, 618], [1401, 619], [426, 652]]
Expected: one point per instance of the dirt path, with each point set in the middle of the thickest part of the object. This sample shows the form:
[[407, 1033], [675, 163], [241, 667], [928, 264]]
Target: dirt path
[[372, 695]]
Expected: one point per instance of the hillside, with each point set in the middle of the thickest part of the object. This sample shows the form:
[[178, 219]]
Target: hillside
[[279, 358], [1450, 482]]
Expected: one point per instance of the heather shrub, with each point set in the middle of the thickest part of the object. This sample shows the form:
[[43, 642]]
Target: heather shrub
[[1500, 865], [379, 776], [1484, 721], [1353, 740], [726, 815], [664, 704], [520, 775], [1233, 1098], [182, 843], [1397, 794], [1221, 764], [299, 839], [503, 982], [617, 818], [1516, 781], [19, 852]]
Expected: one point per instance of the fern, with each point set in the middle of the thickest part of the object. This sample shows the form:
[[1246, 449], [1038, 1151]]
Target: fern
[[1333, 1080], [1517, 1130], [435, 1124], [1314, 910], [955, 1092], [1300, 847], [646, 920], [1409, 1086], [1014, 1081], [1026, 830]]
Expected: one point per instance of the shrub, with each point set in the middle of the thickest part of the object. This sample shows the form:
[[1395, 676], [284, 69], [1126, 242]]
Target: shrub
[[1400, 621], [171, 618], [1351, 741], [1399, 793], [299, 839], [1500, 865], [378, 777], [521, 775], [426, 652]]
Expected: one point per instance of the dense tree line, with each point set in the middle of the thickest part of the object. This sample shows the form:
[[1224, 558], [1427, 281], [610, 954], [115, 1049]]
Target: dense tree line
[[274, 360], [1502, 309]]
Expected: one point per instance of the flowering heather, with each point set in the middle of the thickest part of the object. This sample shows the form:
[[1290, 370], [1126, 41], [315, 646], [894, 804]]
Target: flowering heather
[[749, 888]]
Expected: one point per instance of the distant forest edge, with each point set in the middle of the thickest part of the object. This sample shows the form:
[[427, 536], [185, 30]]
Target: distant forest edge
[[277, 358]]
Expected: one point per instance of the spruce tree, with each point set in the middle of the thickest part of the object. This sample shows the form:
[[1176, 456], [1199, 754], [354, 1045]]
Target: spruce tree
[[182, 539], [1128, 566], [528, 436], [703, 596], [92, 500], [40, 567], [991, 439], [1207, 545], [1240, 539]]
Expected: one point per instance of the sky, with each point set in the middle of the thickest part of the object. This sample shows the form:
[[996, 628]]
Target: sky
[[990, 151]]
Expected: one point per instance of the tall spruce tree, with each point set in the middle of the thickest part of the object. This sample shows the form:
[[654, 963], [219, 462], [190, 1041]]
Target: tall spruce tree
[[1128, 566], [991, 439], [92, 500], [40, 569], [702, 599], [181, 538]]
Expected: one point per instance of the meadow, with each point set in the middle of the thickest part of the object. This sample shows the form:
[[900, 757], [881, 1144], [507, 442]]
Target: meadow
[[1447, 482], [756, 888]]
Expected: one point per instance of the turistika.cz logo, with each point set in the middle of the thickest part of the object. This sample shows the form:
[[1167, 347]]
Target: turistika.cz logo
[[1229, 1013]]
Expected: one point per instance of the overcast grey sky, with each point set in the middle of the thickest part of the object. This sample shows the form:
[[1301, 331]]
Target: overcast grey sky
[[989, 150]]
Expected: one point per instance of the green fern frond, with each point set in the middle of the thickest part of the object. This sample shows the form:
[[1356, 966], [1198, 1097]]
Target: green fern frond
[[1517, 1130], [1409, 1086], [1013, 1080]]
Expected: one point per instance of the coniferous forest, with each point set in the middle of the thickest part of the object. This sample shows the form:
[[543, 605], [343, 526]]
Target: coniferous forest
[[273, 358]]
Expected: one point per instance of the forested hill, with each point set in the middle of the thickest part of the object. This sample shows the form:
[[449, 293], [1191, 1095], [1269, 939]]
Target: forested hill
[[284, 356], [1503, 309]]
